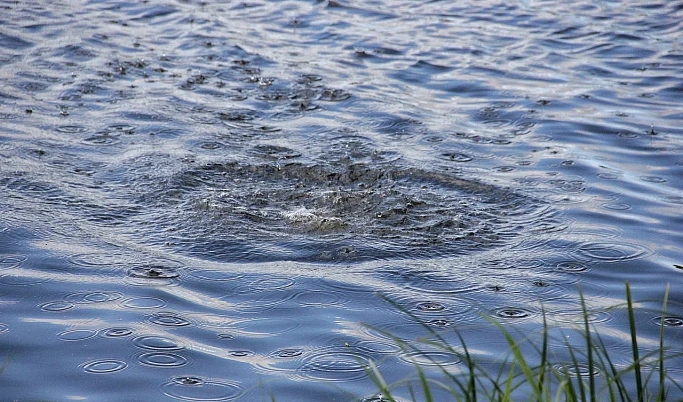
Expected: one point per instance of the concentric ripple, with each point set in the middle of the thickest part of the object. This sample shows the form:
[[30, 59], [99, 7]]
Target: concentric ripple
[[335, 364], [188, 388], [105, 366]]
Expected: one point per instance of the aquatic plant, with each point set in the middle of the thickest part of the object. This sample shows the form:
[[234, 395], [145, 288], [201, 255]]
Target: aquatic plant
[[591, 374]]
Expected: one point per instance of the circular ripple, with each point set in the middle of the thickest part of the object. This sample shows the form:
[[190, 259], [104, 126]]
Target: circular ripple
[[102, 139], [513, 313], [154, 342], [71, 129], [56, 306], [335, 364], [272, 283], [572, 266], [457, 157], [200, 389], [116, 332], [287, 353], [430, 358], [92, 297], [3, 328], [320, 298], [168, 319], [216, 275], [612, 252], [576, 369], [144, 303], [76, 335], [162, 359], [669, 321], [103, 366]]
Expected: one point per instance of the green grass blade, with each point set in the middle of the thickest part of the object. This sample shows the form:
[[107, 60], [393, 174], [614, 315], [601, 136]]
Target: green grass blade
[[661, 394], [589, 347], [634, 344]]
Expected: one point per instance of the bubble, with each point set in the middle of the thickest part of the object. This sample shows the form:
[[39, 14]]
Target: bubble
[[103, 366], [144, 303], [155, 342], [76, 335], [669, 321], [162, 359], [190, 388], [116, 332], [613, 252], [55, 306], [168, 319]]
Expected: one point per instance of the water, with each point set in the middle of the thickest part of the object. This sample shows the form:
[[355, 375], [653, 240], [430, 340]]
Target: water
[[208, 201]]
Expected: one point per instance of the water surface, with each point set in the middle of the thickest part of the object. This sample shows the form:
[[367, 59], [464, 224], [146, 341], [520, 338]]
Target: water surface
[[210, 201]]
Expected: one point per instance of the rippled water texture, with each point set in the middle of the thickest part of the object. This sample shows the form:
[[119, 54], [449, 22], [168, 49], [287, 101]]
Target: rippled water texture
[[210, 200]]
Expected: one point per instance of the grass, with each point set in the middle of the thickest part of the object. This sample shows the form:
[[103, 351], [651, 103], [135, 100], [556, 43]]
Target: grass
[[591, 374]]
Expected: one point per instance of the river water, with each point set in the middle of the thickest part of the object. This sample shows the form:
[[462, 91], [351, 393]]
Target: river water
[[212, 200]]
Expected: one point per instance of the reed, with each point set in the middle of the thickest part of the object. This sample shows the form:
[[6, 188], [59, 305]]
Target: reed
[[591, 374]]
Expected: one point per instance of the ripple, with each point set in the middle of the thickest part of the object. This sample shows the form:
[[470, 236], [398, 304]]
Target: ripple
[[71, 129], [92, 297], [266, 327], [287, 353], [576, 369], [669, 321], [189, 388], [116, 332], [457, 157], [156, 342], [105, 366], [162, 359], [144, 303], [102, 139], [430, 358], [572, 266], [56, 306], [320, 298], [153, 272], [4, 328], [76, 335], [513, 313], [216, 275], [617, 206], [168, 319], [8, 261], [335, 364], [271, 283], [612, 252]]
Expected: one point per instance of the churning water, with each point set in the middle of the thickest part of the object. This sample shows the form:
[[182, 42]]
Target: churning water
[[210, 200]]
